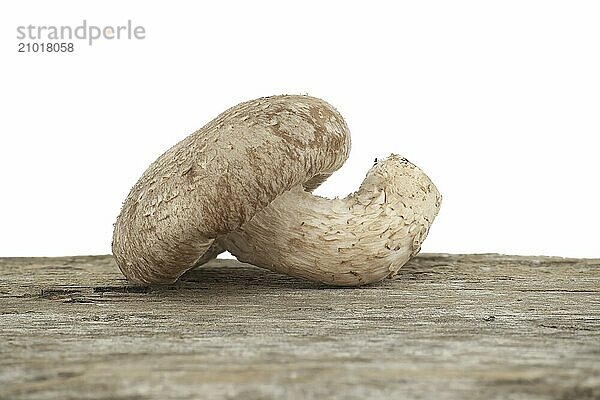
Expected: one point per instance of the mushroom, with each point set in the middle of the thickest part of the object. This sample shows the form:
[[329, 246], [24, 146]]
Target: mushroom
[[243, 183]]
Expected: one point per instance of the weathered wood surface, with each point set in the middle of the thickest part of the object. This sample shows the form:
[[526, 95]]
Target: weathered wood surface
[[448, 326]]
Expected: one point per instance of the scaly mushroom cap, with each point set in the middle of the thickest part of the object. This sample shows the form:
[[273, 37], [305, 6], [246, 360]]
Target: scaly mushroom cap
[[219, 177]]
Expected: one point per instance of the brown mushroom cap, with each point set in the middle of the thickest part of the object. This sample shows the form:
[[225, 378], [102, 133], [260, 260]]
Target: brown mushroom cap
[[219, 177]]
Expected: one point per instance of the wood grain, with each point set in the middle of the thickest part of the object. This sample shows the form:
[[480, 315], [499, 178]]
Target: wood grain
[[448, 326]]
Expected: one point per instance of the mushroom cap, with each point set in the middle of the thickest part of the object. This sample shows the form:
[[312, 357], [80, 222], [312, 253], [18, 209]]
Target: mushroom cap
[[219, 177]]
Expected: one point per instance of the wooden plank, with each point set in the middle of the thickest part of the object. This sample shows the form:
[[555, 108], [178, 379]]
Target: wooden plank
[[448, 326]]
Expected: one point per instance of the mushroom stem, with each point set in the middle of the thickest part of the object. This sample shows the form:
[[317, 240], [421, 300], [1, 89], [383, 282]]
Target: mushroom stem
[[360, 239]]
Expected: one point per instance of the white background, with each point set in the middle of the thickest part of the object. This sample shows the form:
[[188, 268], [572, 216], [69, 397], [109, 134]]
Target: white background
[[499, 102]]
